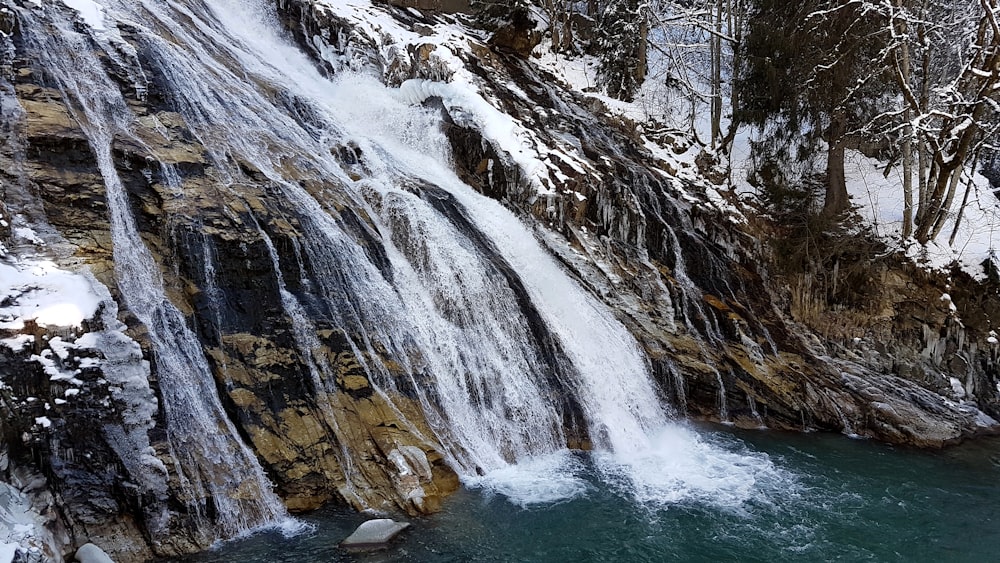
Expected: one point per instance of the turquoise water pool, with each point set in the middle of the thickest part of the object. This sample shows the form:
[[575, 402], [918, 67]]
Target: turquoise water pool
[[818, 497]]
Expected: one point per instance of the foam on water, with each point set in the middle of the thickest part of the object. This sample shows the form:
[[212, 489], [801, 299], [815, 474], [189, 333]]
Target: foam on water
[[680, 466], [541, 480]]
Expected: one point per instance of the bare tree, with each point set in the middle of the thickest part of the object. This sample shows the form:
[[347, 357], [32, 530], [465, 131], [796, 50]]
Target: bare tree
[[949, 104], [695, 35]]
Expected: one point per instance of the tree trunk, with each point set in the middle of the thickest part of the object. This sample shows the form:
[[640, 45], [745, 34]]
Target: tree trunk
[[942, 215], [907, 184], [923, 174], [961, 208], [641, 64], [935, 198], [906, 77], [837, 201], [924, 162], [715, 43]]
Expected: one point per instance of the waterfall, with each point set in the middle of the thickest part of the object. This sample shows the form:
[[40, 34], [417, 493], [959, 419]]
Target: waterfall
[[752, 405], [723, 406], [500, 346], [224, 484]]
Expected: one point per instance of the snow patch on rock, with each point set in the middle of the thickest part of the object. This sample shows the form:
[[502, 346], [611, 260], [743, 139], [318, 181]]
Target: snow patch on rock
[[39, 291]]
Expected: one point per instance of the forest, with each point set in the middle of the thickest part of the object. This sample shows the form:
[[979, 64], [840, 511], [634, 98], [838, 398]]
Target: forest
[[913, 83]]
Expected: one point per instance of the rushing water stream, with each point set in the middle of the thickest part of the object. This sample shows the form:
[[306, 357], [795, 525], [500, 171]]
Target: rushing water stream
[[838, 499], [455, 270]]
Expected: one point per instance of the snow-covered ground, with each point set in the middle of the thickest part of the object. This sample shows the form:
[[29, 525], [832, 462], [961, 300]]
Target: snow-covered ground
[[878, 198]]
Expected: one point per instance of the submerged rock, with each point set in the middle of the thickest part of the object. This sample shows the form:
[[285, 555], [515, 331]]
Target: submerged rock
[[374, 534]]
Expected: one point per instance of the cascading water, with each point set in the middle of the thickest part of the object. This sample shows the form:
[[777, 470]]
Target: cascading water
[[488, 330], [225, 485]]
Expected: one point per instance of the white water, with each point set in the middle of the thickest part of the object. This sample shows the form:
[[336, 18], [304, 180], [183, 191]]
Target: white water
[[447, 314], [212, 461]]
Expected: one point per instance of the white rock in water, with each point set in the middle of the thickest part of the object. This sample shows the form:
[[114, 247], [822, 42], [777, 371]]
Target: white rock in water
[[90, 553], [374, 533]]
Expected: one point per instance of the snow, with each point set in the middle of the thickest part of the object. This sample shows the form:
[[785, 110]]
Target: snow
[[90, 12], [40, 291], [957, 388], [28, 234], [61, 347], [495, 125], [22, 528], [578, 73], [43, 421], [17, 343], [54, 372], [7, 552], [880, 202]]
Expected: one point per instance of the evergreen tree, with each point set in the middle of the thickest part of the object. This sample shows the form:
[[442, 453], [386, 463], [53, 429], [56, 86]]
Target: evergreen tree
[[813, 74], [621, 46]]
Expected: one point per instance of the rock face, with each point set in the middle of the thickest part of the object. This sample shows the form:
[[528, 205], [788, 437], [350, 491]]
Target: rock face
[[726, 341], [218, 250], [446, 6]]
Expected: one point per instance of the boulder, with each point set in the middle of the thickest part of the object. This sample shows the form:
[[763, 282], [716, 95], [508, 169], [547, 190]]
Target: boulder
[[374, 534], [520, 36], [90, 553]]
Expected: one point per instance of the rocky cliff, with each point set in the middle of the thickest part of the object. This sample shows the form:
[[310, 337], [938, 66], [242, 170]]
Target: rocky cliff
[[87, 451]]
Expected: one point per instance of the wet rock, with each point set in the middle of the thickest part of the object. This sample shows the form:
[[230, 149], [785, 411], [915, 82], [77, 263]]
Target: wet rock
[[374, 534]]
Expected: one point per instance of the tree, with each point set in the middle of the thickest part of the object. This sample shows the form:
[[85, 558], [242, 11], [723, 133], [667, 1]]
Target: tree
[[808, 79], [695, 36], [917, 79], [949, 102], [621, 42]]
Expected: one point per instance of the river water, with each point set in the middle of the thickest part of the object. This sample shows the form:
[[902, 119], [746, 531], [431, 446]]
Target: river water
[[833, 499]]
